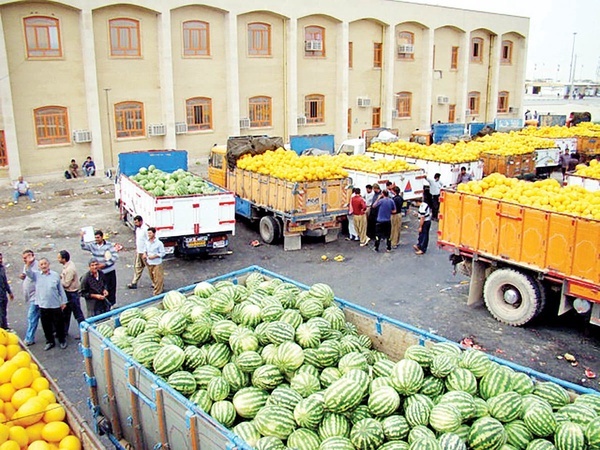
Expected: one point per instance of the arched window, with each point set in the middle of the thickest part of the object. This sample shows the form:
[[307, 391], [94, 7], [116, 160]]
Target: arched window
[[129, 119], [124, 37], [507, 49], [199, 113], [259, 39], [51, 125], [314, 41], [260, 112], [503, 101], [196, 38], [474, 99], [406, 45], [477, 50], [42, 36], [404, 104], [314, 108]]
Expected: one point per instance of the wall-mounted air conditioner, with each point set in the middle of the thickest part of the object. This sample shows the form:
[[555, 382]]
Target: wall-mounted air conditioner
[[301, 121], [181, 128], [81, 136], [363, 102], [406, 49], [157, 129], [244, 123], [442, 100], [313, 46]]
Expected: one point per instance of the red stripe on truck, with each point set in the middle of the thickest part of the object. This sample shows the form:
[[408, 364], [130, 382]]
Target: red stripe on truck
[[162, 208], [221, 222], [170, 227], [226, 203]]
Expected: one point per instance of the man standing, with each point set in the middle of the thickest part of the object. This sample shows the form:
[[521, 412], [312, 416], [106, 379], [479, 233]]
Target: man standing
[[424, 226], [106, 256], [396, 218], [22, 188], [372, 211], [33, 312], [5, 295], [93, 289], [385, 208], [154, 254], [435, 187], [359, 209], [141, 238], [70, 282], [463, 176], [51, 298]]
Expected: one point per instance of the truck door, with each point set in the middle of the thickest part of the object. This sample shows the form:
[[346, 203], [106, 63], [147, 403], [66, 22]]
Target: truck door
[[217, 166]]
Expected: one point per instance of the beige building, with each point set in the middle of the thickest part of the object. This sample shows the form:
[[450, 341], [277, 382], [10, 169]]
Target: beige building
[[97, 78]]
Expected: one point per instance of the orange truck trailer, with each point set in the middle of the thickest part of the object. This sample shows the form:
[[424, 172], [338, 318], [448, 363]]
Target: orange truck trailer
[[519, 258]]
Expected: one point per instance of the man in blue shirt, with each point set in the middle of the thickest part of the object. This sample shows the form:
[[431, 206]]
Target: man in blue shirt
[[383, 228], [51, 298], [154, 254], [106, 255]]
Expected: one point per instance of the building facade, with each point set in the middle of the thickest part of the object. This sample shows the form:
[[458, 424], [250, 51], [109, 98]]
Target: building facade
[[97, 78]]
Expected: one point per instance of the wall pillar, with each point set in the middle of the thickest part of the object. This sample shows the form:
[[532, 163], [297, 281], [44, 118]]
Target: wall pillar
[[343, 85], [389, 58], [167, 88], [291, 78], [427, 86], [232, 77]]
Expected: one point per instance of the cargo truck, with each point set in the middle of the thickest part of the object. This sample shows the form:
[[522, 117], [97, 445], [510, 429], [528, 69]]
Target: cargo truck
[[519, 257], [589, 183], [138, 409], [284, 209], [188, 225], [410, 182]]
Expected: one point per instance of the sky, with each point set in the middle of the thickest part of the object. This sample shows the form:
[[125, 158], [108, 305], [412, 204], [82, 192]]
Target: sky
[[551, 27]]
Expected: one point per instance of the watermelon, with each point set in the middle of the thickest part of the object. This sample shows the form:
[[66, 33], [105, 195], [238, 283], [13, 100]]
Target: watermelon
[[476, 361], [289, 357], [201, 398], [248, 361], [592, 433], [463, 401], [336, 443], [442, 365], [540, 444], [278, 332], [129, 314], [218, 389], [569, 436], [172, 322], [329, 375], [521, 383], [539, 420], [303, 439], [204, 289], [145, 352], [451, 441], [334, 425], [223, 412], [395, 427], [270, 443], [591, 400], [445, 418], [394, 445], [343, 395], [273, 420], [248, 432], [285, 397], [495, 382], [580, 413], [421, 433], [203, 374], [308, 413], [267, 377], [420, 354], [417, 413], [407, 377], [305, 384], [172, 300], [517, 434], [554, 394], [383, 368], [379, 382], [367, 434], [335, 316], [235, 377], [182, 381], [323, 292], [136, 326], [486, 433], [505, 407], [310, 307], [248, 401], [384, 401], [461, 379], [222, 330], [105, 330], [168, 359]]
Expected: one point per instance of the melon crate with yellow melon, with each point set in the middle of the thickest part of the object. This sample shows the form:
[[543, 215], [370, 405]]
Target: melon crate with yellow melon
[[585, 176]]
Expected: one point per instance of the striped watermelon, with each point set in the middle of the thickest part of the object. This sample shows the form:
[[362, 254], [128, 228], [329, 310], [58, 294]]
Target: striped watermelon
[[235, 377], [580, 413], [420, 354], [384, 401], [151, 311], [394, 445], [268, 353], [554, 394], [275, 421], [481, 407], [569, 436], [461, 379], [173, 300], [248, 432], [248, 401], [136, 326], [145, 352], [521, 383], [442, 365], [222, 330], [395, 427], [445, 418], [540, 444], [353, 360], [201, 398], [383, 368], [359, 413], [417, 413], [289, 357], [336, 443], [148, 336], [248, 361], [335, 316], [334, 425], [592, 434], [505, 407], [451, 441], [305, 383], [591, 400], [197, 333], [539, 420], [329, 375], [476, 361], [463, 401], [322, 292], [272, 312], [420, 433], [270, 443], [292, 317], [308, 413], [105, 330], [432, 386], [182, 381], [310, 307], [328, 353], [172, 339], [517, 434], [303, 439], [379, 382], [218, 354], [168, 359], [222, 302], [407, 377], [285, 397], [360, 376], [495, 382], [486, 433], [343, 395], [218, 389], [243, 340], [308, 368], [367, 434], [267, 377], [278, 332], [172, 322], [129, 314], [223, 412], [249, 315], [203, 375], [204, 289], [427, 443], [447, 348]]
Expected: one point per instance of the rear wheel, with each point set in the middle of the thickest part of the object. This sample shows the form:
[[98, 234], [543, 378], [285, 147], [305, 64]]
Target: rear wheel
[[512, 297], [269, 229]]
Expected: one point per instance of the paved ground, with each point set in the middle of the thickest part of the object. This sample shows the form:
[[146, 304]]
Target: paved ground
[[417, 290]]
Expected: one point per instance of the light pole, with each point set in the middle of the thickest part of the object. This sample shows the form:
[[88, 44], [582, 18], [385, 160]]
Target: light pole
[[106, 91], [571, 67]]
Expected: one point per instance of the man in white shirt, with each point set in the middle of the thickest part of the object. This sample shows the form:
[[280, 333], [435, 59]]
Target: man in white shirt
[[22, 188], [141, 238], [435, 187], [424, 226], [153, 256]]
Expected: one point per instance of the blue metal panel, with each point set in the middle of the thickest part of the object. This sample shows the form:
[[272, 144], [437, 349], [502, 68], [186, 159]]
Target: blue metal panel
[[476, 127], [243, 207], [299, 143], [508, 124], [443, 131], [550, 120], [165, 160]]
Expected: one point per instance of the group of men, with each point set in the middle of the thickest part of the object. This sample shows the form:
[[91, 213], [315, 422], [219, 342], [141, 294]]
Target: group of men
[[54, 297]]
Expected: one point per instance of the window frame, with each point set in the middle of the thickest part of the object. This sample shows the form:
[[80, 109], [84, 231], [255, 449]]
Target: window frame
[[507, 52], [402, 98], [133, 50], [474, 99], [454, 57], [503, 98], [477, 44], [256, 32], [452, 113], [314, 102], [314, 33], [350, 55], [48, 114], [48, 52], [198, 107], [377, 55], [376, 117], [405, 38], [120, 110], [262, 104], [202, 30]]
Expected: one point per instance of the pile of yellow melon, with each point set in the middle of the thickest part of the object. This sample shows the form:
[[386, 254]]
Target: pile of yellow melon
[[587, 129], [30, 416], [546, 194], [367, 164], [447, 153], [591, 171], [508, 144]]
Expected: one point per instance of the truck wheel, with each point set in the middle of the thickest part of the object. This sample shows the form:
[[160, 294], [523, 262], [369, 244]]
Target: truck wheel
[[269, 229], [512, 297]]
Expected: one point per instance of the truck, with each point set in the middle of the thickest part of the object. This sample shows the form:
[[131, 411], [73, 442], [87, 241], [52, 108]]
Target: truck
[[138, 409], [410, 182], [324, 143], [358, 146], [519, 258], [188, 225], [509, 165], [589, 183], [439, 133], [283, 209]]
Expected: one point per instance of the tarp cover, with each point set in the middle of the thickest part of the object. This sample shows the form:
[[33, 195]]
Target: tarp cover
[[250, 145]]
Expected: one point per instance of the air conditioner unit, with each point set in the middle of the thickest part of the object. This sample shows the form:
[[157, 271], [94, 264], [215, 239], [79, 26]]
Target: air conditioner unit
[[181, 128], [301, 121], [364, 102], [313, 46], [442, 100], [406, 48], [467, 112], [157, 129], [81, 136], [395, 114], [244, 123], [513, 110]]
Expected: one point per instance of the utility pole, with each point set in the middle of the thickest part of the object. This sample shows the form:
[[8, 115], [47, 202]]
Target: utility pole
[[571, 68], [110, 147]]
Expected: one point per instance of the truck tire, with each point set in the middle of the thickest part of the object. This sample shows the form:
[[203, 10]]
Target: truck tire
[[512, 297], [269, 229]]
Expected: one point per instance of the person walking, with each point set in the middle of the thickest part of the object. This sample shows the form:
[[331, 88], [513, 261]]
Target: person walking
[[154, 254], [359, 210], [424, 227], [94, 290], [385, 208], [372, 211], [5, 295], [563, 161], [33, 311], [51, 298], [435, 188], [22, 188], [106, 256], [70, 282], [396, 218], [352, 233], [141, 238]]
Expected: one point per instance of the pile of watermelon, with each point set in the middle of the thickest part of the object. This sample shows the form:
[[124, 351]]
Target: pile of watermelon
[[178, 183], [283, 369]]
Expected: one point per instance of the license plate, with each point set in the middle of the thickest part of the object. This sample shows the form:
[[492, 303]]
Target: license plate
[[195, 242], [219, 244]]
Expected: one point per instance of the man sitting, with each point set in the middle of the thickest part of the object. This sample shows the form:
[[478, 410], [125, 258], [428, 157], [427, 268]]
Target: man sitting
[[71, 172], [89, 167], [22, 188]]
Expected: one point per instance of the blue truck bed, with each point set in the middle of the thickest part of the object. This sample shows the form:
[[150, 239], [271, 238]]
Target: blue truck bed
[[165, 160]]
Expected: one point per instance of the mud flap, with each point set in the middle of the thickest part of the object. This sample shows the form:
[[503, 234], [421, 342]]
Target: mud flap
[[476, 283]]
